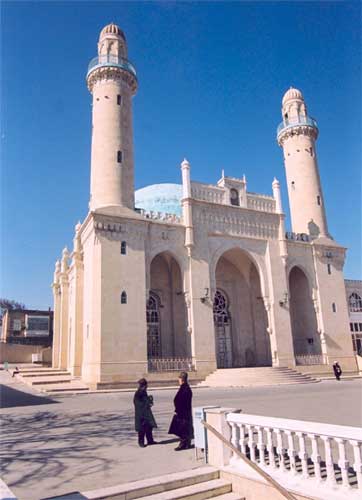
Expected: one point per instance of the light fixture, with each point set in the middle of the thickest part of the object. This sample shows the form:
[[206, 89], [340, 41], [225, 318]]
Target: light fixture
[[284, 301], [205, 297]]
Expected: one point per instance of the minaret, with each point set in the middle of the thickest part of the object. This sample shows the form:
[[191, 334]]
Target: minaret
[[112, 81], [297, 135]]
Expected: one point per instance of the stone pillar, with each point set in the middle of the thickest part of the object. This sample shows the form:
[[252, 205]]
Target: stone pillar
[[76, 306], [64, 311], [56, 316], [279, 210], [218, 454]]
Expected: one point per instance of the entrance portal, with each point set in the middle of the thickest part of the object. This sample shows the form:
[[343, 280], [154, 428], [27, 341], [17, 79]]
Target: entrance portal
[[240, 318]]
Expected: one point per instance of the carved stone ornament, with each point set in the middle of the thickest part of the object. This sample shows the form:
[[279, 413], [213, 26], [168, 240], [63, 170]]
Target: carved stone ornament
[[297, 130], [106, 73]]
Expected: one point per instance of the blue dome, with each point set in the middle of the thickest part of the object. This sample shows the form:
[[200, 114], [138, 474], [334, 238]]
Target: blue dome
[[165, 198]]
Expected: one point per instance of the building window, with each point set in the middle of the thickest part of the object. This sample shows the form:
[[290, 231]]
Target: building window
[[329, 269], [119, 99], [119, 156], [16, 325], [334, 309], [318, 200], [351, 327], [356, 327], [310, 341], [355, 302], [123, 248], [234, 197], [123, 297], [360, 327]]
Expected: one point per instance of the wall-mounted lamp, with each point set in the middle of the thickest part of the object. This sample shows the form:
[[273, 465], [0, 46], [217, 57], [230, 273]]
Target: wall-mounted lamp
[[205, 297], [284, 300]]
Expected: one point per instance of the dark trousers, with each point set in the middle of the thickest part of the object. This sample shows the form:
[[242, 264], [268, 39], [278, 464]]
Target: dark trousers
[[145, 431]]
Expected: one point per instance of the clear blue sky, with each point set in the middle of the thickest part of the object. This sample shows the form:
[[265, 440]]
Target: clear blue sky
[[211, 80]]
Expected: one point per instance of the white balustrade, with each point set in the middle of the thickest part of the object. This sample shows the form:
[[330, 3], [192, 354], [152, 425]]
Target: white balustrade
[[162, 216], [260, 202], [314, 452], [170, 364]]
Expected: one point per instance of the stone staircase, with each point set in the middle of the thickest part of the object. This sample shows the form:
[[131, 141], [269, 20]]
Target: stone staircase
[[52, 380], [254, 377], [195, 484]]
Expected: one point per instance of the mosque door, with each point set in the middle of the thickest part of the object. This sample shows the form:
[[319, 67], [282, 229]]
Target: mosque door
[[222, 325], [153, 326]]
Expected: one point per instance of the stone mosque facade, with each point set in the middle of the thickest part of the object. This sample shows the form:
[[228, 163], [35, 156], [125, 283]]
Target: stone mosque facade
[[195, 276]]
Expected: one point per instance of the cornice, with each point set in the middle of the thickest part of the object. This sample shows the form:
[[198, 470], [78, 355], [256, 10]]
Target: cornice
[[106, 73]]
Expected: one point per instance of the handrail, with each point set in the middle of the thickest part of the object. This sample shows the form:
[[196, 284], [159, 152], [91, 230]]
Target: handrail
[[255, 467]]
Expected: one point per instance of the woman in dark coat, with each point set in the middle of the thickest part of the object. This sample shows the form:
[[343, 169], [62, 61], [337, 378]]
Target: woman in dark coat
[[337, 370], [144, 419], [181, 424]]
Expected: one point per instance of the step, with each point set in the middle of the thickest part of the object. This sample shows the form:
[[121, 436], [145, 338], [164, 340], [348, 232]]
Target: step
[[44, 374], [200, 491], [64, 379], [229, 496], [54, 389], [152, 486]]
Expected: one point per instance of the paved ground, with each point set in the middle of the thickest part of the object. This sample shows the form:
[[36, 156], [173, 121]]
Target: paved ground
[[54, 446]]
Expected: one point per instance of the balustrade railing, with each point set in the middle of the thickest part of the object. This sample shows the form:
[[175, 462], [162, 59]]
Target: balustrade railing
[[111, 60], [170, 364], [297, 236], [310, 359], [260, 202], [204, 192], [301, 120], [310, 454]]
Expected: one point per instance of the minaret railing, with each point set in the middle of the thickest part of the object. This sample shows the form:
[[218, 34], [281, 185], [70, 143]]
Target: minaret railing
[[111, 60], [301, 120]]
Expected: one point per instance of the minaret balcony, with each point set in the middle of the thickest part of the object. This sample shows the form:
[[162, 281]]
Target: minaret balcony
[[304, 121], [110, 60]]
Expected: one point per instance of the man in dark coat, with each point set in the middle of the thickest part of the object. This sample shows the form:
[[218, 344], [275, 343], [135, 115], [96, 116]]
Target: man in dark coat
[[337, 370], [181, 424], [144, 419]]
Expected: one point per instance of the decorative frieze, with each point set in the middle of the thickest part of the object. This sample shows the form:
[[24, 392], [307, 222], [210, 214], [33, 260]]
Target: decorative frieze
[[106, 73], [235, 223]]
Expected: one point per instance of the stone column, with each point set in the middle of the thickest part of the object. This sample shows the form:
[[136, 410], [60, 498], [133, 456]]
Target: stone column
[[76, 306], [64, 310], [56, 316]]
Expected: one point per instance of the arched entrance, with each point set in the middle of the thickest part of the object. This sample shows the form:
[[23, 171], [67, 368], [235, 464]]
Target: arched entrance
[[166, 310], [222, 322], [303, 318], [244, 339]]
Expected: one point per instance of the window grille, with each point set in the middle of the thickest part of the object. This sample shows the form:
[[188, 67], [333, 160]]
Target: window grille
[[355, 302]]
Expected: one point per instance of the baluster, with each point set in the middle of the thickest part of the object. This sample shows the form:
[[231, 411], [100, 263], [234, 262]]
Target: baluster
[[251, 443], [316, 456], [292, 452], [343, 462], [270, 447], [357, 461], [261, 446], [331, 478], [234, 437], [281, 450], [303, 454], [242, 439]]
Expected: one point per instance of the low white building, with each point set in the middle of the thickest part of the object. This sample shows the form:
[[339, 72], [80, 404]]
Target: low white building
[[195, 276], [354, 301]]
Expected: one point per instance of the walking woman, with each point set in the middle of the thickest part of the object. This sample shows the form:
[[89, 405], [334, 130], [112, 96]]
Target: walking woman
[[181, 424], [144, 419]]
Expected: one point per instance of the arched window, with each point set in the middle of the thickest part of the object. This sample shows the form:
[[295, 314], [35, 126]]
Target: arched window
[[234, 197], [123, 248], [355, 302], [153, 326], [123, 297]]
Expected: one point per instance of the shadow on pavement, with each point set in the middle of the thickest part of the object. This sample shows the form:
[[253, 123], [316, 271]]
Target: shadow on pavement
[[10, 398]]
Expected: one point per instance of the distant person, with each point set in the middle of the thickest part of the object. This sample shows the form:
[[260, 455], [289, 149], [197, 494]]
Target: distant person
[[16, 371], [144, 419], [337, 370], [181, 424]]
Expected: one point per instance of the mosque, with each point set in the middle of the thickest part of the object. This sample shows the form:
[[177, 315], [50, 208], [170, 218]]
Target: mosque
[[195, 276]]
